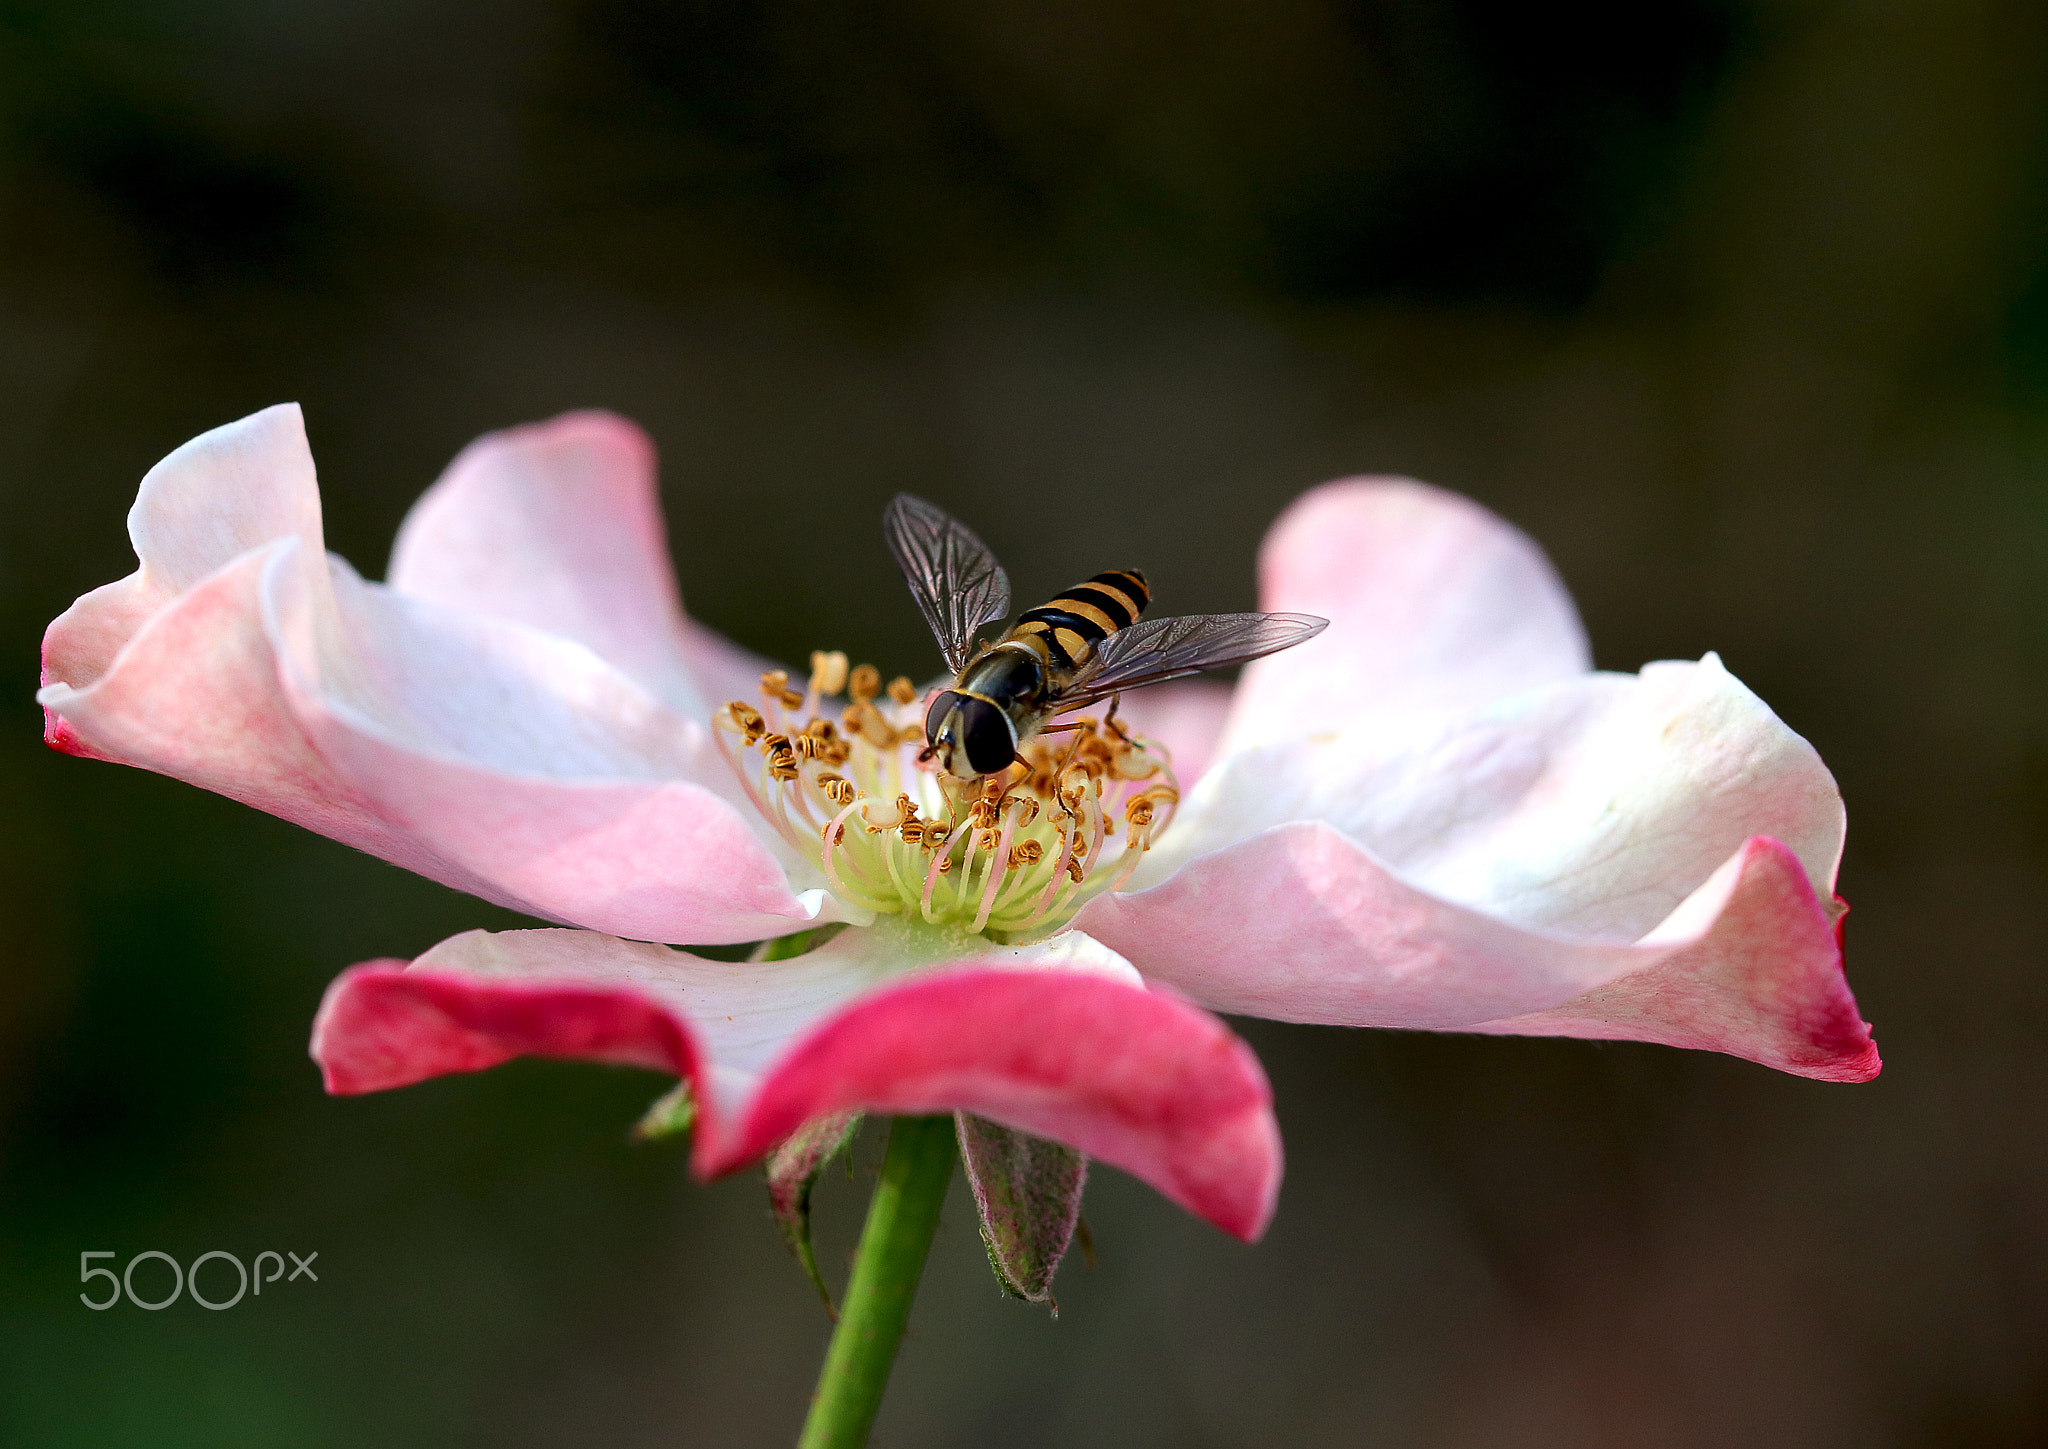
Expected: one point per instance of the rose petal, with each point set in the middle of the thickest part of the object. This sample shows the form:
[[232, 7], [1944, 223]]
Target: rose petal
[[558, 525], [1435, 606], [1302, 924], [1590, 807], [224, 493], [533, 764], [1765, 972], [1509, 864], [482, 753], [1058, 1039], [195, 695]]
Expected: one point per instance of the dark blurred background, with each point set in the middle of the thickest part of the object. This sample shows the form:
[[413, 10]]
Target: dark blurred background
[[1741, 309]]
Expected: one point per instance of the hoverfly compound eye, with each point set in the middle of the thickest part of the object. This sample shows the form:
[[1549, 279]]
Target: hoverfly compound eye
[[935, 717], [990, 743]]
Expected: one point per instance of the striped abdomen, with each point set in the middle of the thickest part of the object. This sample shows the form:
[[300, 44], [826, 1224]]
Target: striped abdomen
[[1068, 629]]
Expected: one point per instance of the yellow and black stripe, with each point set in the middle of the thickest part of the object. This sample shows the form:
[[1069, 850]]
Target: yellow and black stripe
[[1070, 627]]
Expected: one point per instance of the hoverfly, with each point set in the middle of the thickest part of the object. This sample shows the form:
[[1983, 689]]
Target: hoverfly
[[1084, 646]]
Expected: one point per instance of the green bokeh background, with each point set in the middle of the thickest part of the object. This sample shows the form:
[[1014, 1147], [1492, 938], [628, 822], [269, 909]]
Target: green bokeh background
[[1740, 309]]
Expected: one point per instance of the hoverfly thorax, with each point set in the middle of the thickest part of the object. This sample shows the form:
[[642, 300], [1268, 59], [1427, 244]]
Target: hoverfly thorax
[[1005, 693]]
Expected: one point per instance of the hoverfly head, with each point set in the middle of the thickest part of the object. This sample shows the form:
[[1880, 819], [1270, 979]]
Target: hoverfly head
[[969, 737]]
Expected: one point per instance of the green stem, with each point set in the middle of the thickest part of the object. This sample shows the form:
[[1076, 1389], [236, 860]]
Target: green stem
[[902, 1216]]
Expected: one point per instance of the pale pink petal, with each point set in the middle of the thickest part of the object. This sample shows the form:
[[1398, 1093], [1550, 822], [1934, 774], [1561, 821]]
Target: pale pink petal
[[558, 525], [195, 695], [1542, 849], [1187, 717], [1591, 806], [722, 669], [1435, 606], [219, 496], [479, 752], [1301, 923], [1057, 1039], [1766, 973], [170, 669], [532, 763]]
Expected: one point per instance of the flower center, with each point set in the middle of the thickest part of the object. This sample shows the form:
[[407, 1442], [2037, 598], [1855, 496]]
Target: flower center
[[1011, 856]]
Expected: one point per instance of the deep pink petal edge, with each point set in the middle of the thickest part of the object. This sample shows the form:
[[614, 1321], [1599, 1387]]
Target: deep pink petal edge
[[1768, 982], [1302, 924], [1140, 1080]]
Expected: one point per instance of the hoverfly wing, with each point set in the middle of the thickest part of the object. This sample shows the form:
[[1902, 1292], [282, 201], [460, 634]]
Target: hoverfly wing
[[1157, 650], [956, 580]]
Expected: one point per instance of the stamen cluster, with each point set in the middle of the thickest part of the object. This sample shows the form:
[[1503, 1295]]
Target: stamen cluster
[[1010, 856]]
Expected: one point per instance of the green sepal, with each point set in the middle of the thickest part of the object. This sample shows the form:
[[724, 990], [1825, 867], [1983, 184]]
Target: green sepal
[[1027, 1191], [793, 1170], [674, 1112]]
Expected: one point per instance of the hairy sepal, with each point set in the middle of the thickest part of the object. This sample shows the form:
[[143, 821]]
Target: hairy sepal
[[674, 1112], [793, 1170], [1027, 1191]]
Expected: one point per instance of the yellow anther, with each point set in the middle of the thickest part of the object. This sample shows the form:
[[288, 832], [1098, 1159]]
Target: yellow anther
[[864, 683], [828, 671], [775, 684], [1162, 794], [782, 759], [902, 690], [984, 840], [838, 789], [1133, 764], [1076, 872], [904, 809], [1026, 852], [747, 720], [865, 720]]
